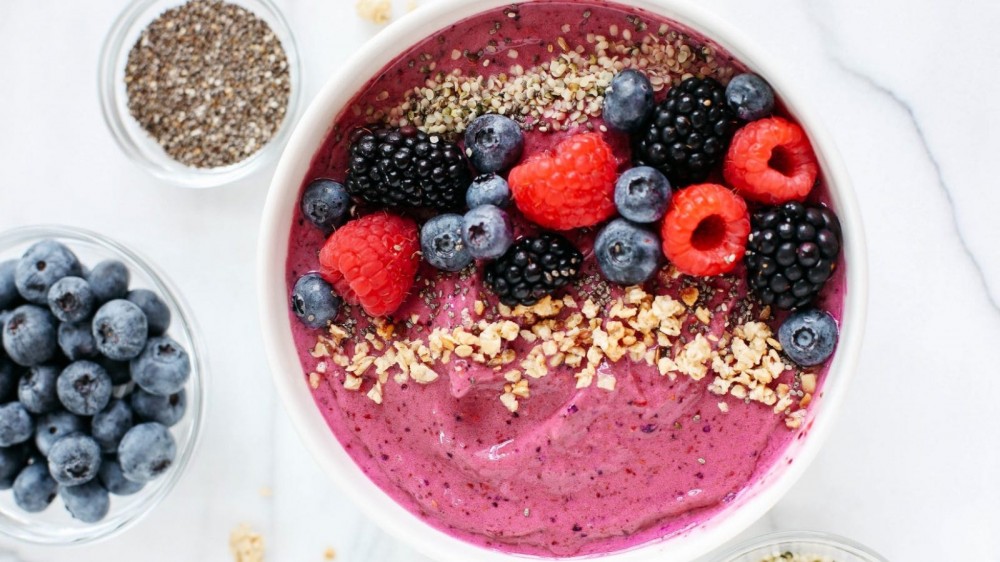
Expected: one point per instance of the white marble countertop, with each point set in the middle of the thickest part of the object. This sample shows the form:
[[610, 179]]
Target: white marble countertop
[[909, 89]]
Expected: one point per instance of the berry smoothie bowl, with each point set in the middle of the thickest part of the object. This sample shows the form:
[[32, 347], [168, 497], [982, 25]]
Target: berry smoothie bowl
[[561, 279]]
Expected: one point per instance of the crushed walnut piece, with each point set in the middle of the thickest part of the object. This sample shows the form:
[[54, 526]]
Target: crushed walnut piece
[[375, 11]]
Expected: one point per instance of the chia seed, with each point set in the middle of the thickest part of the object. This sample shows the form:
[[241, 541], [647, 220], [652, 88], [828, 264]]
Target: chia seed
[[209, 81]]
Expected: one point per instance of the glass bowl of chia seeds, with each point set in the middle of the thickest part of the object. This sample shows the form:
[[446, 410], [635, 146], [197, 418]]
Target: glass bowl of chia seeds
[[200, 93], [54, 525], [801, 546]]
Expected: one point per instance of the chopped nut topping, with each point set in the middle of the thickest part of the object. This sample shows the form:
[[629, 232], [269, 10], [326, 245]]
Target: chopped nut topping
[[638, 327]]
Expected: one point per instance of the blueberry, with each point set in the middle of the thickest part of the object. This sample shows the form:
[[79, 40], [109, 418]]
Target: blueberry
[[43, 264], [8, 290], [808, 337], [325, 203], [627, 254], [76, 340], [74, 459], [167, 410], [493, 143], [110, 424], [71, 299], [441, 243], [109, 280], [642, 194], [34, 488], [110, 475], [12, 461], [52, 427], [9, 375], [84, 388], [16, 424], [628, 100], [146, 452], [86, 502], [488, 189], [487, 232], [750, 97], [29, 335], [157, 312], [162, 368], [37, 389], [314, 302], [119, 371], [120, 329]]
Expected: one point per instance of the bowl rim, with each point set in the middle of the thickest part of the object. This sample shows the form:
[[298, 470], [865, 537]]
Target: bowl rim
[[116, 47], [286, 370], [813, 538], [197, 385]]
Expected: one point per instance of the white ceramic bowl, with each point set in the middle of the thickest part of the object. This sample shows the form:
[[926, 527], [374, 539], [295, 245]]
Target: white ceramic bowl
[[295, 393]]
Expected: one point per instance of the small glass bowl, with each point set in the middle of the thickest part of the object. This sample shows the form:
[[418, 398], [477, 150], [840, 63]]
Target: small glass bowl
[[137, 144], [805, 543], [54, 526]]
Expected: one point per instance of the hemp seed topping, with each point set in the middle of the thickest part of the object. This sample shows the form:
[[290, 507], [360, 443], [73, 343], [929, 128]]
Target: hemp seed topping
[[209, 81], [560, 94]]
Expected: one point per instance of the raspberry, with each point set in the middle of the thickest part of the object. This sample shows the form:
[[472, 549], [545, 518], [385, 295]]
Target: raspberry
[[705, 230], [570, 188], [771, 161], [372, 261]]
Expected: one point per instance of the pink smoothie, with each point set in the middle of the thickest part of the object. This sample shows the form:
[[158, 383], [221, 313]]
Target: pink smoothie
[[573, 471]]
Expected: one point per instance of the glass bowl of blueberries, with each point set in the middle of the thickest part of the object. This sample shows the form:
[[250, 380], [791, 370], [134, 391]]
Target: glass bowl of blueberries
[[101, 386]]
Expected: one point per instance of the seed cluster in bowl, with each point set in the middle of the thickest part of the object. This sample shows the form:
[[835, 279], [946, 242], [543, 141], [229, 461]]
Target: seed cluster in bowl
[[89, 380], [209, 81]]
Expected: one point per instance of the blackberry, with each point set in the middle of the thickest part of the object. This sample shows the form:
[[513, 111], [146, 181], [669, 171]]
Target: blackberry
[[532, 268], [406, 168], [688, 132], [791, 253]]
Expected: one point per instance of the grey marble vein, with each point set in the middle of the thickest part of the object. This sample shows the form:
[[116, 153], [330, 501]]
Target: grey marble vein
[[827, 37]]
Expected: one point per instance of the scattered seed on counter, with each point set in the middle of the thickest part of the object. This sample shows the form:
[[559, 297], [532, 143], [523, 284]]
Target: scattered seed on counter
[[209, 81], [375, 11], [245, 545]]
